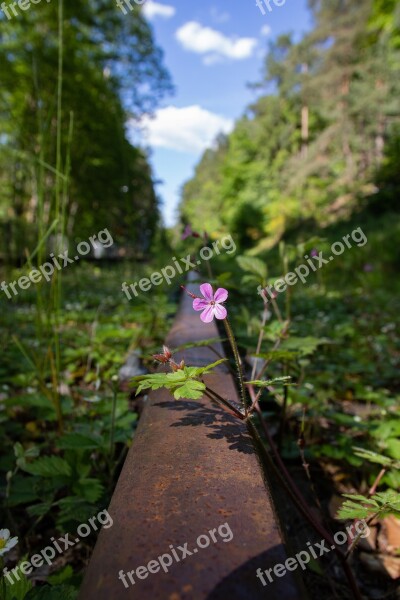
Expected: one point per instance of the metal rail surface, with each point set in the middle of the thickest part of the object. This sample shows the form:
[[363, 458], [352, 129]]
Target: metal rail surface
[[192, 470]]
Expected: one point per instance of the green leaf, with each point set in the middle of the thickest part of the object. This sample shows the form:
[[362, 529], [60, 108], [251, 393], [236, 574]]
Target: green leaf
[[80, 441], [178, 376], [19, 590], [254, 266], [39, 510], [62, 576], [373, 457], [208, 368], [19, 450], [304, 346], [89, 489], [74, 509], [178, 379], [393, 448], [48, 466], [152, 381], [363, 499], [268, 382], [191, 389], [361, 507], [22, 491]]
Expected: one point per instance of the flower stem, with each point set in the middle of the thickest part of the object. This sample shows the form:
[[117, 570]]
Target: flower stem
[[216, 397], [278, 467], [237, 360]]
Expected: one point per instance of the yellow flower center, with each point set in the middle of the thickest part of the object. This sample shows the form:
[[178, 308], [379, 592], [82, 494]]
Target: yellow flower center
[[2, 543]]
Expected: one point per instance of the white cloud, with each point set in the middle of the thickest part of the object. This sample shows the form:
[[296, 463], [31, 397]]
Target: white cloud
[[153, 9], [266, 30], [218, 16], [204, 40], [188, 129]]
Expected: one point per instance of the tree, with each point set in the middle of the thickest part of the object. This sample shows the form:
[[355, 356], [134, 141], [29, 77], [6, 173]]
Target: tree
[[309, 149], [111, 69]]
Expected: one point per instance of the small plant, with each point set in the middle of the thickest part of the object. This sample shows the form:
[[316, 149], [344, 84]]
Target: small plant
[[187, 382], [377, 506]]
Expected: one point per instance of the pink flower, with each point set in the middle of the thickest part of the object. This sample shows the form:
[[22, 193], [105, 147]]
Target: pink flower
[[210, 304], [188, 232]]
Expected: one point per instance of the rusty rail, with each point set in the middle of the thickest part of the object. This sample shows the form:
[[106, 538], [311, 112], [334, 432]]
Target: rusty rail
[[191, 469]]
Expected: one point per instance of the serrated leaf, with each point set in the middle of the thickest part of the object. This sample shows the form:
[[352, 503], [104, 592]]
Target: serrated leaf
[[48, 466], [178, 376], [350, 512], [152, 381], [373, 457], [380, 504], [360, 498], [89, 489], [192, 390]]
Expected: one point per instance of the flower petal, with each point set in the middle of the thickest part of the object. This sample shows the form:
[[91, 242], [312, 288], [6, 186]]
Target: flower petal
[[207, 291], [221, 295], [200, 304], [208, 314], [11, 543], [4, 534], [220, 311]]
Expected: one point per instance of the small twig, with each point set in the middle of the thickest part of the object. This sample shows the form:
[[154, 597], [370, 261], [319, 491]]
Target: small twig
[[376, 482], [274, 349], [283, 414], [276, 309], [355, 541], [238, 361], [260, 338]]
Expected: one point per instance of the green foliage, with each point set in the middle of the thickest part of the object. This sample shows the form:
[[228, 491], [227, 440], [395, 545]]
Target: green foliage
[[47, 466], [184, 383], [19, 590], [112, 68], [256, 267], [269, 382], [53, 481], [376, 458], [307, 155], [378, 505]]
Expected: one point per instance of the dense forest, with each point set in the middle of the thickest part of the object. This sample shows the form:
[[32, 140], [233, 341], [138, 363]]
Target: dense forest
[[110, 69], [322, 141]]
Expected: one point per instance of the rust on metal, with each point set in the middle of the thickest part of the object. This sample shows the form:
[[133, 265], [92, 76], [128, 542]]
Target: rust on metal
[[191, 468]]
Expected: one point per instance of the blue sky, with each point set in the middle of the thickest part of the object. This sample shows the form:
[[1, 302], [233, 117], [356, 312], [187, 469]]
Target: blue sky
[[213, 49]]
